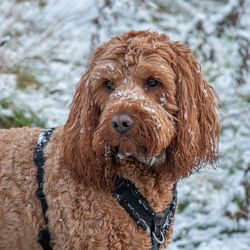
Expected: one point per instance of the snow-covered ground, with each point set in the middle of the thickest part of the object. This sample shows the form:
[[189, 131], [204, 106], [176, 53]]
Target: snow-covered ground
[[51, 41]]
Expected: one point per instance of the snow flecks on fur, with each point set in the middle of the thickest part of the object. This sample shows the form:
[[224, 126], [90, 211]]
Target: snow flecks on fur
[[205, 91], [126, 60], [95, 77], [110, 66], [125, 81], [151, 110], [147, 108], [87, 82], [163, 99], [128, 95], [120, 156], [158, 125]]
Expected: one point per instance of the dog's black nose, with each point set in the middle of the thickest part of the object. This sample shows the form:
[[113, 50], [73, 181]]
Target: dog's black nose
[[122, 122]]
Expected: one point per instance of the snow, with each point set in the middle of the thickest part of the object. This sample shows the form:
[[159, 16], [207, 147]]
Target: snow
[[7, 85], [128, 95], [110, 66], [54, 43], [120, 156]]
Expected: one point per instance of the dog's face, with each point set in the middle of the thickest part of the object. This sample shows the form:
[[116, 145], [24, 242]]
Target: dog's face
[[135, 93], [143, 98]]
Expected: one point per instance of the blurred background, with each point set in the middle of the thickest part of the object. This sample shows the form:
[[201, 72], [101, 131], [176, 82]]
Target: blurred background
[[45, 47]]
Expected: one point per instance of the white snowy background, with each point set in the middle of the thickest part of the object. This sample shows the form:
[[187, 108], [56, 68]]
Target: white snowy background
[[44, 49]]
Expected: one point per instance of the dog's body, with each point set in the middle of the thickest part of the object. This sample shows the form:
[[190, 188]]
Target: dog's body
[[143, 98], [79, 218]]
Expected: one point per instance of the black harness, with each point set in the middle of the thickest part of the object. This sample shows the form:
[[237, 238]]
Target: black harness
[[43, 236], [156, 224]]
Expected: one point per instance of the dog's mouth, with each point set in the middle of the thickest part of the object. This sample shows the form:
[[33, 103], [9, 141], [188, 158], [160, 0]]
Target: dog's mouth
[[150, 161], [127, 150], [153, 160]]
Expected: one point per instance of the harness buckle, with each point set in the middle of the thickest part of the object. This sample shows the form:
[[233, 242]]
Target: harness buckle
[[161, 240], [158, 222]]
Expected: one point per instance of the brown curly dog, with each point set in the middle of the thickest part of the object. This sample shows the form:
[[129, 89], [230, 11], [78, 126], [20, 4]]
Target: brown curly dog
[[142, 111]]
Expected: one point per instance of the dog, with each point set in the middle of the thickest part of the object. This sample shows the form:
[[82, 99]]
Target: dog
[[142, 112]]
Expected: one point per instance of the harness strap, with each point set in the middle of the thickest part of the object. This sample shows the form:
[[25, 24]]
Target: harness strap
[[156, 224], [43, 236]]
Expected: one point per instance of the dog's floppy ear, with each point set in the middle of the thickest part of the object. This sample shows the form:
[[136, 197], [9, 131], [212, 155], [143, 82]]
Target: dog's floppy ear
[[196, 140], [78, 154], [77, 133]]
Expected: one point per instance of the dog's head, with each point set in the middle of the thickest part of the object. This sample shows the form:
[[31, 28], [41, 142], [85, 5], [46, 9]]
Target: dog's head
[[143, 98]]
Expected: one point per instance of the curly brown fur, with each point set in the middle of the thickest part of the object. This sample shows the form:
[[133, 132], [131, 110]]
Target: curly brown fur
[[176, 119]]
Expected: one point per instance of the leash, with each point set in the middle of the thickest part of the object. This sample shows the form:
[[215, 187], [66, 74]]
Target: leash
[[156, 224], [43, 236]]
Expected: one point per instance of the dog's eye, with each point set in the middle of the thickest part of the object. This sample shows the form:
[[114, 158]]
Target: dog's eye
[[151, 83], [109, 86]]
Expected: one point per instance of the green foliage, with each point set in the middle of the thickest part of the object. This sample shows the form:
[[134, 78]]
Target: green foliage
[[182, 205], [163, 7], [238, 199], [19, 117], [25, 78]]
